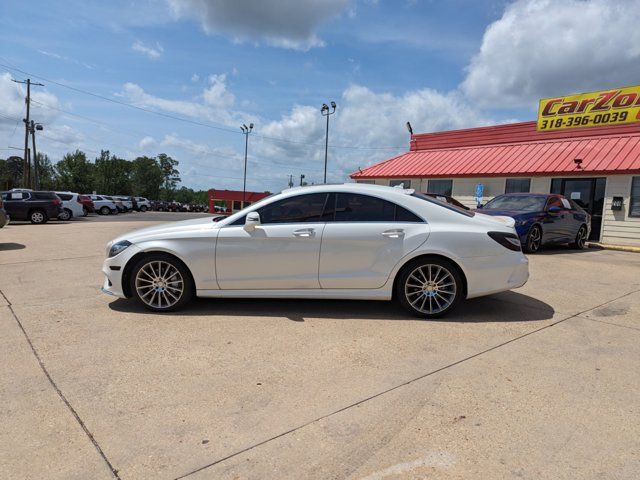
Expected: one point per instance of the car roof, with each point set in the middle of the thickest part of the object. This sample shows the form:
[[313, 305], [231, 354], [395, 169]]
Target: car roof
[[526, 194], [347, 187]]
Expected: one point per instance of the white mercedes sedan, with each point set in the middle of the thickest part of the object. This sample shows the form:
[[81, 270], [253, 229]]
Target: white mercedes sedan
[[351, 241]]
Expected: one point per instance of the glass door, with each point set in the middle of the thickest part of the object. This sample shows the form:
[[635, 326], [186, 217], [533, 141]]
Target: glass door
[[586, 192]]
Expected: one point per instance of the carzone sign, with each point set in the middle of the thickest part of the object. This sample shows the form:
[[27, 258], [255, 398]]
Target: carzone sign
[[609, 107]]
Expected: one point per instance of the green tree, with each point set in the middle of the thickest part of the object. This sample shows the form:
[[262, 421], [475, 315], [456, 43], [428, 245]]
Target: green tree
[[75, 172], [46, 173], [112, 175], [184, 195], [11, 173], [146, 177], [171, 176]]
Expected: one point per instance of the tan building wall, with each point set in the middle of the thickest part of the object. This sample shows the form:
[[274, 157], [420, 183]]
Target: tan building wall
[[617, 227]]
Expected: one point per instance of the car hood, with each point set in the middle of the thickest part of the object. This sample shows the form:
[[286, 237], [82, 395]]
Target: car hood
[[169, 228]]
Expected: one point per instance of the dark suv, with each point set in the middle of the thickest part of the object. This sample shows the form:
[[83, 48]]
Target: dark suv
[[37, 207]]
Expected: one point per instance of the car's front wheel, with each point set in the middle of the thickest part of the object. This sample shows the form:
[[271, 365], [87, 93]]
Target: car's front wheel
[[105, 210], [534, 240], [429, 287], [161, 283], [65, 215]]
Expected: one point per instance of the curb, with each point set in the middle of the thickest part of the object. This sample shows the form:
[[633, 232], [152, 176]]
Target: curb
[[620, 248]]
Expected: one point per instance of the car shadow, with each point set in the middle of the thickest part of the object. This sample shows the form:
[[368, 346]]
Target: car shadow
[[502, 307], [564, 249], [11, 246]]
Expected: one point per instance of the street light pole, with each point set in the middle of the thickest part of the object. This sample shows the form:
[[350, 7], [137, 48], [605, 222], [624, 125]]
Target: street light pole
[[325, 113], [246, 131]]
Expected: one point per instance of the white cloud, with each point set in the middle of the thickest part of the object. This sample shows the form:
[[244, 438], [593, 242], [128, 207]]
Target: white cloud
[[213, 105], [12, 103], [151, 51], [195, 78], [542, 48], [281, 23], [146, 143]]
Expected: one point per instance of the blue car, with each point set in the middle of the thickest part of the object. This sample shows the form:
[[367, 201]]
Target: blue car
[[543, 219]]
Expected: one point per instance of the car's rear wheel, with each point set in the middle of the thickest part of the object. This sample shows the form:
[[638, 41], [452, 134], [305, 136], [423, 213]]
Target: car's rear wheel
[[65, 214], [37, 217], [161, 283], [143, 208], [534, 240], [429, 287], [105, 210], [581, 239], [85, 211]]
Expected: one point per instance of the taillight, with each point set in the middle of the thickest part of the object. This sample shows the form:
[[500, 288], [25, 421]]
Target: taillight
[[57, 201], [507, 240]]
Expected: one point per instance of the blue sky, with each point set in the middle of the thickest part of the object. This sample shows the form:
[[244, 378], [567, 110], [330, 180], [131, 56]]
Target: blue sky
[[221, 63]]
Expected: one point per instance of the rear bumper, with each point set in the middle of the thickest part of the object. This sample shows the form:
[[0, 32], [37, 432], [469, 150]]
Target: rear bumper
[[488, 275]]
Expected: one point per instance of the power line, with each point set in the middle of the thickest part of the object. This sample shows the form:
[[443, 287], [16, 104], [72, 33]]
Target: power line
[[186, 120]]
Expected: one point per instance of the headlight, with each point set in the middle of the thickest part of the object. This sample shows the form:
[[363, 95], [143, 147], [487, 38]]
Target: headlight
[[116, 248]]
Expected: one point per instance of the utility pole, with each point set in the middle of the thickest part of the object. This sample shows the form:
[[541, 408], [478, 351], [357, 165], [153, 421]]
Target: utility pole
[[325, 113], [245, 131], [26, 175], [290, 181], [36, 175]]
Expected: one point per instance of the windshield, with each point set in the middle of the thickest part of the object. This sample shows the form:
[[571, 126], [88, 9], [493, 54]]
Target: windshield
[[523, 203], [446, 205]]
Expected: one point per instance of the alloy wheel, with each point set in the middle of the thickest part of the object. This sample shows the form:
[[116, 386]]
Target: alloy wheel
[[535, 238], [430, 289], [37, 217], [582, 238], [159, 284]]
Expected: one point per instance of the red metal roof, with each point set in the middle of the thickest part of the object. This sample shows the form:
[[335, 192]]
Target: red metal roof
[[514, 150], [236, 195]]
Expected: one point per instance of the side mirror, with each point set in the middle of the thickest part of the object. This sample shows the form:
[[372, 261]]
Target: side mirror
[[251, 221], [554, 210], [480, 206]]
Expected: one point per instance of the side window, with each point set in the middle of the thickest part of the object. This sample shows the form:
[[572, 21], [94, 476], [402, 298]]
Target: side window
[[517, 185], [353, 207], [634, 199], [440, 187], [554, 202], [16, 196], [404, 183], [298, 209], [404, 215], [65, 196]]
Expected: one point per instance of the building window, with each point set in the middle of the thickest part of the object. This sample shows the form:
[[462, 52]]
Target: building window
[[440, 187], [556, 186], [518, 185], [237, 205], [634, 201], [366, 182], [404, 183]]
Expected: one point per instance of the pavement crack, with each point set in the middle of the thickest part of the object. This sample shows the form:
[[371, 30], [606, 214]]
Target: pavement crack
[[51, 260], [401, 385], [64, 399], [611, 323]]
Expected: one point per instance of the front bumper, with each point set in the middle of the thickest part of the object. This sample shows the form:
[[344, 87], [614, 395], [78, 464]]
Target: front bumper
[[113, 270]]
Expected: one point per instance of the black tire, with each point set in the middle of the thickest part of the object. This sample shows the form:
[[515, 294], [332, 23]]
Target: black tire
[[151, 280], [420, 289], [143, 208], [85, 212], [581, 239], [38, 216], [104, 210], [534, 240], [65, 215]]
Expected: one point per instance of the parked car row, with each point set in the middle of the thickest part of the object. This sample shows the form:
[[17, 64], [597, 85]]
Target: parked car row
[[41, 206], [162, 206]]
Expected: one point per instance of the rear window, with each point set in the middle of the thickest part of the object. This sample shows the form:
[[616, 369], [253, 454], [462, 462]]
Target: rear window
[[448, 206], [65, 196], [44, 195]]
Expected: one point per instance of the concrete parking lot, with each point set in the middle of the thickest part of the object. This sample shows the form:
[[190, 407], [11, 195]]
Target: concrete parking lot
[[538, 383]]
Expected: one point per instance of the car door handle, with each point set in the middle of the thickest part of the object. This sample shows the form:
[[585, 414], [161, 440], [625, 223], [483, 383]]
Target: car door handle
[[396, 233], [304, 232]]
